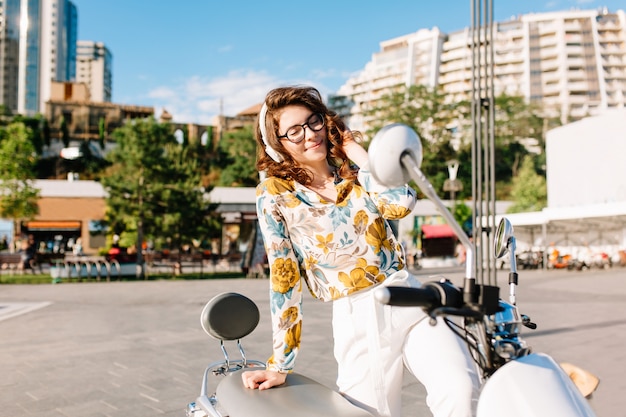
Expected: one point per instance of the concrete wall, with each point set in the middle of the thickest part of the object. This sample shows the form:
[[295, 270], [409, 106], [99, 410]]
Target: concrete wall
[[586, 161]]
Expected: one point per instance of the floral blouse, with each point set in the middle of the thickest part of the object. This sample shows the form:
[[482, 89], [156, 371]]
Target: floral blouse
[[337, 248]]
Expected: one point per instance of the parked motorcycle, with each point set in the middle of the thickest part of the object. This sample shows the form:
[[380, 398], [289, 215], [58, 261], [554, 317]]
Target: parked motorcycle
[[516, 382]]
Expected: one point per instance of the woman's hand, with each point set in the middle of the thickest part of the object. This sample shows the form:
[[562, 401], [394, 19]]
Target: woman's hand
[[262, 379], [355, 152]]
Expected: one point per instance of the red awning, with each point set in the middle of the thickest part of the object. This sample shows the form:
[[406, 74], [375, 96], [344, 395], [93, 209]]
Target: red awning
[[434, 231]]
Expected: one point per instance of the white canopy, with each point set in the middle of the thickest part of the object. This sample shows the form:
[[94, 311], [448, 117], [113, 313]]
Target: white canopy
[[602, 224]]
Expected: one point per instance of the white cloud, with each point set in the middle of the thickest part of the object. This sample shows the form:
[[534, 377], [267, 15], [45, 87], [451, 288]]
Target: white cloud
[[199, 99], [162, 93]]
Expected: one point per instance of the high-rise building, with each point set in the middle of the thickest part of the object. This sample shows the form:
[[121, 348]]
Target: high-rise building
[[38, 44], [571, 62], [410, 59], [94, 63]]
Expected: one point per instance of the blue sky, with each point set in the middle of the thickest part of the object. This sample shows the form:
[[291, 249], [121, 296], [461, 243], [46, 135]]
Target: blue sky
[[200, 58]]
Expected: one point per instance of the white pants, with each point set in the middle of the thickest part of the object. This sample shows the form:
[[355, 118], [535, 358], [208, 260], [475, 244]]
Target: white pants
[[374, 342]]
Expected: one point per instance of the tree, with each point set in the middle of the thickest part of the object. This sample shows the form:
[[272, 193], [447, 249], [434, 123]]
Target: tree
[[102, 132], [238, 151], [516, 123], [65, 132], [529, 190], [426, 111], [439, 123], [189, 217], [154, 189], [18, 196]]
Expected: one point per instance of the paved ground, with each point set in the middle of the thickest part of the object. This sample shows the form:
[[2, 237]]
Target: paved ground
[[137, 349]]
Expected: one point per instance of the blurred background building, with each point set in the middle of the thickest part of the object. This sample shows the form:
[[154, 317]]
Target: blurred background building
[[38, 43], [572, 62], [94, 68]]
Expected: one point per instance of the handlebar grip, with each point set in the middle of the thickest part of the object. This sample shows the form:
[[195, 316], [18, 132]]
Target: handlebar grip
[[426, 296], [430, 296]]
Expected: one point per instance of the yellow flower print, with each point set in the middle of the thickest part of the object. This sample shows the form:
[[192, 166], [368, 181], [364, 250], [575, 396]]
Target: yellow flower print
[[289, 317], [276, 186], [292, 338], [325, 243], [393, 211], [360, 222], [355, 281], [372, 273], [376, 236], [400, 258], [284, 275], [343, 193], [310, 262], [334, 293]]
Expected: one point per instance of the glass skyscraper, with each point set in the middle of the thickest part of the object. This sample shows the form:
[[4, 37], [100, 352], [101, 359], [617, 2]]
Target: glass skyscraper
[[39, 38]]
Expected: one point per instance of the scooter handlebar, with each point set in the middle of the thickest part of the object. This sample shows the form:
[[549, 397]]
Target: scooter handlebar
[[431, 295]]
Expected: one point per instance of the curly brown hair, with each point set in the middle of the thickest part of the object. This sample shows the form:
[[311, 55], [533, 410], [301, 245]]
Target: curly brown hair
[[336, 130]]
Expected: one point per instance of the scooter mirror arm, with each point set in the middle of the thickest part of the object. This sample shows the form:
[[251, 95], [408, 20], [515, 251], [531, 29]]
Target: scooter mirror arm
[[513, 272], [422, 182]]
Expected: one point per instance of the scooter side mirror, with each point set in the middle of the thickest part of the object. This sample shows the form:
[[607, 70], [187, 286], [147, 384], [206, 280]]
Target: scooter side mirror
[[504, 232], [386, 150], [395, 157]]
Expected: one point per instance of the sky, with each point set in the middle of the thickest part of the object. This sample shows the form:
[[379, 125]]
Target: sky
[[201, 58]]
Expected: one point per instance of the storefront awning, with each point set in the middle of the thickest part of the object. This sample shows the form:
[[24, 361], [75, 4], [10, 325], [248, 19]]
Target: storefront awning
[[52, 225], [434, 231]]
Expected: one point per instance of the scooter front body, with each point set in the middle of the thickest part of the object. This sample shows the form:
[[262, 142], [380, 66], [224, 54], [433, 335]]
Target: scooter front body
[[532, 386]]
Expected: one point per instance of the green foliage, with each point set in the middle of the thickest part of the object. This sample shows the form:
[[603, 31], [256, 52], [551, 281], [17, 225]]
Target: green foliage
[[463, 215], [446, 132], [18, 197], [238, 150], [425, 110], [5, 110], [65, 132], [154, 186], [102, 131], [529, 191]]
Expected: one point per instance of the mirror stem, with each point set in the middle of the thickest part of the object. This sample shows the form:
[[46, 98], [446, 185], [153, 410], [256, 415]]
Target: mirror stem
[[420, 179]]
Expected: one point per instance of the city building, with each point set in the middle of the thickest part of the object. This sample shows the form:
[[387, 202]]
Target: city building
[[71, 109], [411, 59], [571, 62], [94, 68], [68, 210], [38, 44]]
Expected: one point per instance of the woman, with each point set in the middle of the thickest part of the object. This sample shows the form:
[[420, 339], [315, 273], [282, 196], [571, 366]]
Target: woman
[[323, 222]]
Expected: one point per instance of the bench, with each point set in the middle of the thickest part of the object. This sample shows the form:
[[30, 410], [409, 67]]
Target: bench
[[13, 262], [175, 262]]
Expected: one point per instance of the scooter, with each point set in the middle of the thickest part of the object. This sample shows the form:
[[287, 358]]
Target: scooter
[[516, 382]]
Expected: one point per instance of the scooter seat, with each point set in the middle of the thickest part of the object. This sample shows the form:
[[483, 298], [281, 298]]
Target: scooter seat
[[299, 396]]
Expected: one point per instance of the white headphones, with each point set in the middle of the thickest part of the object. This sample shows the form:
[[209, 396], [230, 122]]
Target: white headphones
[[268, 149]]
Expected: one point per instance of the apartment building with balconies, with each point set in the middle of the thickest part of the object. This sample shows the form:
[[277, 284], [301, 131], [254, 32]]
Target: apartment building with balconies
[[571, 62], [410, 59], [94, 68]]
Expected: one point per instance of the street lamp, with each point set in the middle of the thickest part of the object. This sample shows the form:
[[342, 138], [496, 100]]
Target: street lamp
[[452, 184]]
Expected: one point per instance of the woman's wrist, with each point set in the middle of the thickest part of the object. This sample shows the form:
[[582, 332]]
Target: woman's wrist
[[355, 152]]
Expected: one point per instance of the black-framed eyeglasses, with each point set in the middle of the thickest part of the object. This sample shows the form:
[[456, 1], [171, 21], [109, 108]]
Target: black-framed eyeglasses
[[295, 134]]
